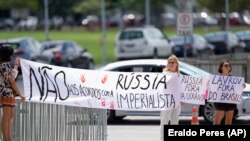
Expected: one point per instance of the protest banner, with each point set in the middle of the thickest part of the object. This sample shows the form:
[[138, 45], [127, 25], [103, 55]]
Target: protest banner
[[99, 89], [193, 89], [225, 89]]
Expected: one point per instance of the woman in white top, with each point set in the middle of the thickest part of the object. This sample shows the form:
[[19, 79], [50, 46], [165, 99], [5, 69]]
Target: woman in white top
[[171, 116]]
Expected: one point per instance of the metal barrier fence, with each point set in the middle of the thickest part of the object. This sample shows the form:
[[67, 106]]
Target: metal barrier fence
[[48, 122]]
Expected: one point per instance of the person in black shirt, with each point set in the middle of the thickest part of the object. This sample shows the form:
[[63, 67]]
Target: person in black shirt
[[224, 109]]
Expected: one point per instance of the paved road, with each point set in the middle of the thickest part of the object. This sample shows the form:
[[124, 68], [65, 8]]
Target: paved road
[[147, 128]]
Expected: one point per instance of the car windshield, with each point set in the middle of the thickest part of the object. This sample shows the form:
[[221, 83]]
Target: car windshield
[[243, 36], [179, 40], [193, 71], [15, 45], [217, 36], [154, 33], [125, 35], [46, 46]]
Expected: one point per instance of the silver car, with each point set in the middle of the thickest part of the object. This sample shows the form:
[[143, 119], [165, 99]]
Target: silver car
[[157, 65]]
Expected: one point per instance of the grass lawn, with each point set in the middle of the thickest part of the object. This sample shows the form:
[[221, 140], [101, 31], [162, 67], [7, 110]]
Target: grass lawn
[[91, 40]]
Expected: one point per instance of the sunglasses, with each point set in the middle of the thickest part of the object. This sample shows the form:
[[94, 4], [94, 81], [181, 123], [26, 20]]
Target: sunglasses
[[227, 65], [171, 62]]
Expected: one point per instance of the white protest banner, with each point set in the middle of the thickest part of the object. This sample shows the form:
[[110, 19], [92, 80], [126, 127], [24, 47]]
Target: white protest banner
[[225, 89], [193, 89], [141, 91], [99, 89]]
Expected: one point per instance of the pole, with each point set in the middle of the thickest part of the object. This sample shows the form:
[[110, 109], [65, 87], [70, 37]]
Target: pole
[[104, 32], [147, 11], [46, 20], [185, 48], [227, 15]]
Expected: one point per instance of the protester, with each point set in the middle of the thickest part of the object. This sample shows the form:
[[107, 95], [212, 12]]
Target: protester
[[224, 109], [8, 90], [172, 115]]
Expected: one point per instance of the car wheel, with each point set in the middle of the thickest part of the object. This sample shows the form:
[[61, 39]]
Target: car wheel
[[110, 115], [155, 55], [208, 112]]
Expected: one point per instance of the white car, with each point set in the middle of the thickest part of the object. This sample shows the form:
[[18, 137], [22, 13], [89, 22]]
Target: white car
[[141, 42], [157, 65]]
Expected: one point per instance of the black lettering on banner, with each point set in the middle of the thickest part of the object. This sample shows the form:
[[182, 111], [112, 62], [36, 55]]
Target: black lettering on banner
[[88, 91], [64, 81], [49, 82], [120, 77], [230, 96], [226, 80], [123, 98], [129, 84], [212, 95], [144, 100], [132, 97], [226, 87], [148, 82], [53, 90], [192, 87], [135, 81], [143, 104], [40, 86], [138, 82], [155, 80], [162, 81]]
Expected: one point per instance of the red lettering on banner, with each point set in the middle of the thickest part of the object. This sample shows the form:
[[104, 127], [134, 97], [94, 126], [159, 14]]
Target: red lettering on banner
[[82, 78], [105, 78], [103, 102], [112, 105]]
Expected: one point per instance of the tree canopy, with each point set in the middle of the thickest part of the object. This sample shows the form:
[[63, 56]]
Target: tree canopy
[[219, 5]]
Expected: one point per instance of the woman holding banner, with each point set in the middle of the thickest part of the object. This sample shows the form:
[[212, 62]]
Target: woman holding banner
[[224, 109], [8, 89], [172, 115]]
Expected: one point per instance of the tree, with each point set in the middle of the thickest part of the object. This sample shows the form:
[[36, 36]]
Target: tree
[[219, 5], [8, 4]]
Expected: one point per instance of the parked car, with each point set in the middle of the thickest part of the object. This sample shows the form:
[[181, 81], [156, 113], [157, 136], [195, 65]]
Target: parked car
[[65, 53], [141, 42], [225, 42], [91, 22], [157, 65], [244, 36], [196, 45], [24, 47]]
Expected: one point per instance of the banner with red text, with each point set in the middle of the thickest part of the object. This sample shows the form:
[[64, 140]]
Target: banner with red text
[[100, 89]]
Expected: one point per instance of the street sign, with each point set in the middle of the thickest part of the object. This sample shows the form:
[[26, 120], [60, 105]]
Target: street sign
[[184, 24]]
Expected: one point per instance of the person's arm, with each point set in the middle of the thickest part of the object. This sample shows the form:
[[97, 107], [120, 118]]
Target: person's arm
[[14, 73], [14, 87], [244, 85], [16, 66]]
